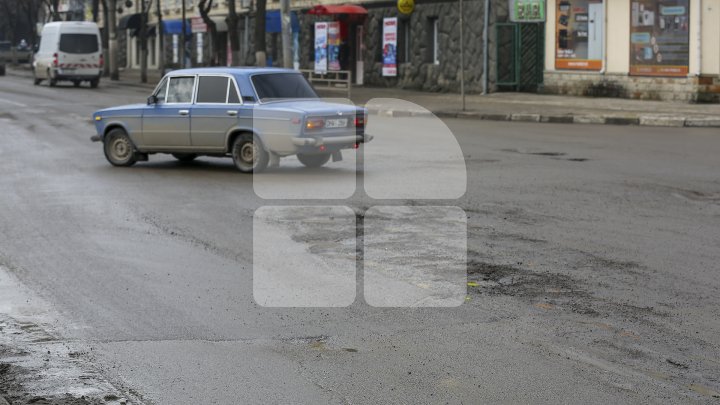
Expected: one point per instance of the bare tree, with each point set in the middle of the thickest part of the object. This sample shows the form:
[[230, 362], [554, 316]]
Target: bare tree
[[52, 9], [161, 39], [233, 33], [29, 9], [260, 46], [9, 24], [204, 7], [106, 37]]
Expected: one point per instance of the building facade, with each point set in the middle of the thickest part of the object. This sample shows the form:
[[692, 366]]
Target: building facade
[[642, 49]]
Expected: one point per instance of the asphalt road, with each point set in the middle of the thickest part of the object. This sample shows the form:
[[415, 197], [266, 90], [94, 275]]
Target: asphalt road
[[593, 258]]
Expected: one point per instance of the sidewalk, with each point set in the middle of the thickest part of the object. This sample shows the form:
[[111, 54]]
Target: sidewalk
[[511, 106]]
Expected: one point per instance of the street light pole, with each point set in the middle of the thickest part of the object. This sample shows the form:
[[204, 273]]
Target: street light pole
[[462, 56]]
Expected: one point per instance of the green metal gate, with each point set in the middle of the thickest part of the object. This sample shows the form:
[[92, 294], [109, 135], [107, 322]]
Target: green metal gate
[[520, 56]]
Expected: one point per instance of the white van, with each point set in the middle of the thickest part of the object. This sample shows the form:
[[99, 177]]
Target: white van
[[69, 51]]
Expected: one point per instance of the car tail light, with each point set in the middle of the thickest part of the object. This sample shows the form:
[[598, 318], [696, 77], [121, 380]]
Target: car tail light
[[101, 62], [55, 59], [314, 124], [360, 121]]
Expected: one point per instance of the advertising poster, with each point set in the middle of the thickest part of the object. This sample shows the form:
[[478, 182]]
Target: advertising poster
[[389, 55], [527, 10], [321, 37], [579, 35], [333, 45], [659, 37]]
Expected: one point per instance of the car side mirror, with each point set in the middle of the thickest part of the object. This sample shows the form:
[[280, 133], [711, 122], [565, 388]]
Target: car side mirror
[[152, 100]]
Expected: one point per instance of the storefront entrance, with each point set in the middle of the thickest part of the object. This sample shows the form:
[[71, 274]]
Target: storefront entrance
[[520, 56]]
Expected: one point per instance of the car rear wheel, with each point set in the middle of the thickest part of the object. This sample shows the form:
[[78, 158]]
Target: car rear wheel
[[118, 147], [76, 83], [185, 157], [94, 83], [314, 160], [51, 80], [248, 154]]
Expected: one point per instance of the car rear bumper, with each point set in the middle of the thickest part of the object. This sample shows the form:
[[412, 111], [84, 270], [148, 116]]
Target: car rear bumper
[[349, 140]]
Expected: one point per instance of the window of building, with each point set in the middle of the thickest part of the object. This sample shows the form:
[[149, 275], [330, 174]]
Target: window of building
[[659, 37], [579, 34], [432, 54], [404, 41]]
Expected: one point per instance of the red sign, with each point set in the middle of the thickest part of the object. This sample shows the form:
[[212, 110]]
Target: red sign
[[198, 25]]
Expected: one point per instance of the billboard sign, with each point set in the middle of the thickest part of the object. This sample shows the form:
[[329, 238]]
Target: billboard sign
[[389, 52], [659, 37], [321, 42]]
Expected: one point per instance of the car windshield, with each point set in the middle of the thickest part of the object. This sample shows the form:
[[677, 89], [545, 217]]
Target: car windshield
[[78, 43], [273, 86]]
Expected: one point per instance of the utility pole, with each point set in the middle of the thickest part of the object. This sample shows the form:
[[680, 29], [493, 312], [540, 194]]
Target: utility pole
[[286, 33], [462, 56], [184, 37]]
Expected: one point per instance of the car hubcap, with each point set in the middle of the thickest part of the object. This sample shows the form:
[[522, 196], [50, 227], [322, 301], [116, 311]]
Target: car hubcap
[[120, 149], [248, 153]]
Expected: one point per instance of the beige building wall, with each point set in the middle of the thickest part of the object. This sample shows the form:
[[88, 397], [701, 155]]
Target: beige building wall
[[704, 35]]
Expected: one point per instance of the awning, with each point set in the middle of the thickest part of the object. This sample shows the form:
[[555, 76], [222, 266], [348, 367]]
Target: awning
[[337, 9], [130, 22], [174, 27], [274, 24]]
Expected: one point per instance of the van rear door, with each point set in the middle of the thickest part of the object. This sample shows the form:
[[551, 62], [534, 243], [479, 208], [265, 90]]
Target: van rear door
[[79, 53]]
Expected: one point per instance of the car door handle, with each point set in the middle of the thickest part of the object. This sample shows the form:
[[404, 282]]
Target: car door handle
[[232, 113], [184, 112]]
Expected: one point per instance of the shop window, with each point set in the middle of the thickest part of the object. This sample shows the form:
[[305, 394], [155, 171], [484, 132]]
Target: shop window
[[659, 37], [579, 34]]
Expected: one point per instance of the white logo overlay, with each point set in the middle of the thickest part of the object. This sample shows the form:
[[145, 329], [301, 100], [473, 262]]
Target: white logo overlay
[[359, 206]]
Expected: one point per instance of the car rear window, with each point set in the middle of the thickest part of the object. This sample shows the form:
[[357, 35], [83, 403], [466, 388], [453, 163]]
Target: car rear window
[[78, 43], [282, 86]]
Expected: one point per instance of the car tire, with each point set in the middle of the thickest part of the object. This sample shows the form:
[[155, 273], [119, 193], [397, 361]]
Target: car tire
[[313, 160], [51, 80], [248, 154], [36, 81], [76, 83], [119, 149], [2, 70], [94, 83], [185, 157]]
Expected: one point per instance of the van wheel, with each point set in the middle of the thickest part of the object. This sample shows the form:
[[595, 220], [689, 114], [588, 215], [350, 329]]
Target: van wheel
[[37, 81], [94, 83], [248, 154], [185, 157], [51, 80], [118, 148], [76, 83], [314, 160]]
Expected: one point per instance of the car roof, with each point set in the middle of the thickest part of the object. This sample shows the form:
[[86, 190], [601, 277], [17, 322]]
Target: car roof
[[235, 70]]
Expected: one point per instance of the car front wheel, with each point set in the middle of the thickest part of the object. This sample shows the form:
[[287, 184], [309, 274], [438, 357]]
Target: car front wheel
[[119, 149], [314, 160], [248, 154]]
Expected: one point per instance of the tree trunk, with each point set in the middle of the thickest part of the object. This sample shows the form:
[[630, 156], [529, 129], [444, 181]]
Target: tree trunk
[[204, 7], [233, 34], [161, 40], [106, 38], [143, 44], [260, 46], [286, 33], [112, 42]]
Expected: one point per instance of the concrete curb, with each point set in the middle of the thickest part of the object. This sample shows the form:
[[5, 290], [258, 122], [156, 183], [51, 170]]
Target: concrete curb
[[635, 120]]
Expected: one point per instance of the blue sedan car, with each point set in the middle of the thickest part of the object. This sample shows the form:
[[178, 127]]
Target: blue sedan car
[[254, 115]]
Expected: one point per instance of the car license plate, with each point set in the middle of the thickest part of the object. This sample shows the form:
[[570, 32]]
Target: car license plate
[[336, 123]]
